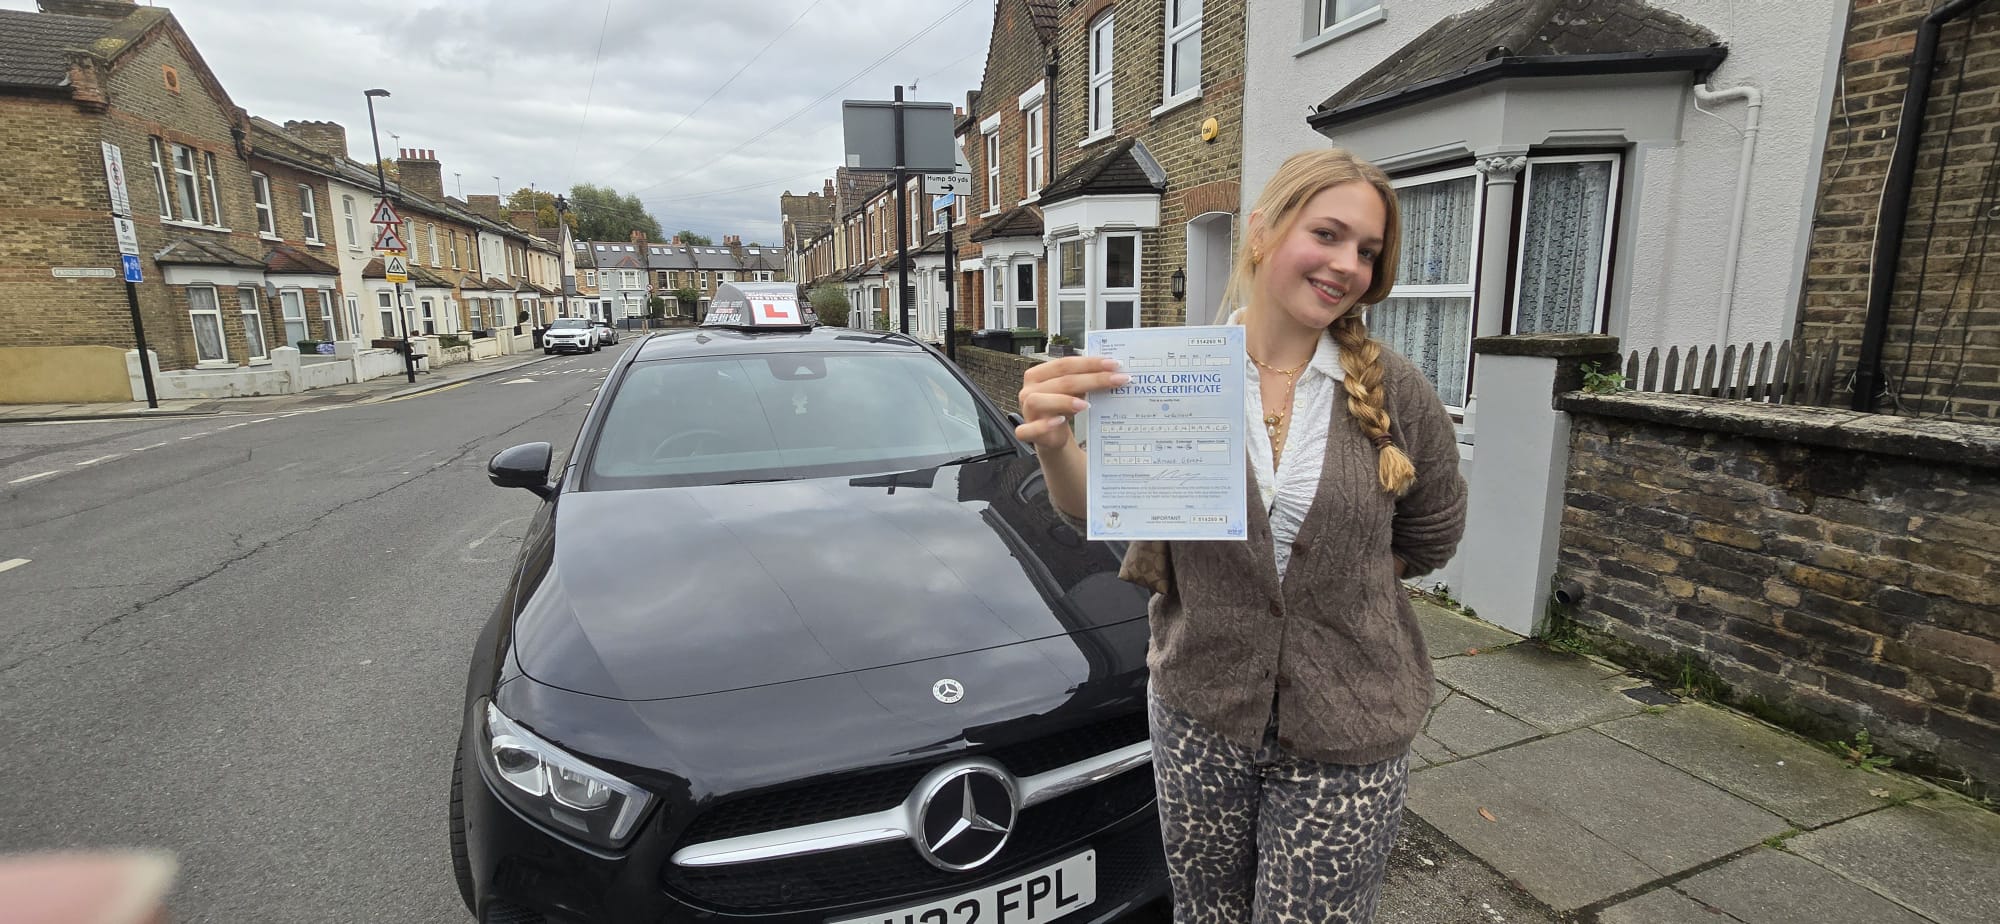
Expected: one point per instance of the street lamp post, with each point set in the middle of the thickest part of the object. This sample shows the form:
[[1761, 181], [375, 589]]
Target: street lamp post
[[382, 185]]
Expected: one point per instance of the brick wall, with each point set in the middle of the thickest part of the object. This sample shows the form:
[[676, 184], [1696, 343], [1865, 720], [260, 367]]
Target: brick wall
[[1960, 307], [1834, 574], [1202, 176], [997, 374], [54, 203]]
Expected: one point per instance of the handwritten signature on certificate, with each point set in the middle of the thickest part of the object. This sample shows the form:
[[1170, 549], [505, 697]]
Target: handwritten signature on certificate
[[1166, 450]]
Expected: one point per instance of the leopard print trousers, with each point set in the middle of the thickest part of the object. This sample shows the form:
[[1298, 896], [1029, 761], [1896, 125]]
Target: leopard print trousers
[[1261, 836]]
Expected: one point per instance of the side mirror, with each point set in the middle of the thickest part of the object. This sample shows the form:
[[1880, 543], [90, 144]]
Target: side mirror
[[523, 466]]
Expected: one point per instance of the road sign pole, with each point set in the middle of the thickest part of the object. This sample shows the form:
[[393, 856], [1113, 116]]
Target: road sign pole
[[403, 315], [902, 222], [139, 334], [950, 292]]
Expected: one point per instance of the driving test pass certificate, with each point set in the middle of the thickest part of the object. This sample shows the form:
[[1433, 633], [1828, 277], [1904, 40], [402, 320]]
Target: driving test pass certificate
[[1166, 449]]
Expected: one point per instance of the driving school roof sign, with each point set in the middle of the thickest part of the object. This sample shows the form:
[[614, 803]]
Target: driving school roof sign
[[768, 306]]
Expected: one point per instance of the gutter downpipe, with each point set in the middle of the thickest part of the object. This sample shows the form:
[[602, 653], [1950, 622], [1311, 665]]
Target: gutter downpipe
[[1889, 220], [1754, 105]]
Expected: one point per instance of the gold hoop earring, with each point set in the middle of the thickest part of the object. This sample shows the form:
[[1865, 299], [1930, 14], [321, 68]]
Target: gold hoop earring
[[1256, 256]]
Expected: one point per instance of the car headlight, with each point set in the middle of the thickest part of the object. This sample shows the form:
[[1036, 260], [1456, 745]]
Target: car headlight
[[559, 789]]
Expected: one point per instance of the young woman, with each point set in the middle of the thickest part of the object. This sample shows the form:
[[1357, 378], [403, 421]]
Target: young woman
[[1288, 672]]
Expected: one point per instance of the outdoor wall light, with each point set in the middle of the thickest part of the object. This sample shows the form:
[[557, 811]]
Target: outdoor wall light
[[1177, 285]]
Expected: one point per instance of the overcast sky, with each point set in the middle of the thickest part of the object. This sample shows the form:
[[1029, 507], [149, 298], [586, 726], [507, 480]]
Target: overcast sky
[[499, 87]]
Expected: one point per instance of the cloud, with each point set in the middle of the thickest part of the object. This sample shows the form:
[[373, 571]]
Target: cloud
[[519, 89]]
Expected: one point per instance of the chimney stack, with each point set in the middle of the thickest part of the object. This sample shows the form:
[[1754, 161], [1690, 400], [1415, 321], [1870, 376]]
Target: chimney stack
[[421, 172], [522, 219], [329, 138], [638, 237], [489, 206], [677, 240]]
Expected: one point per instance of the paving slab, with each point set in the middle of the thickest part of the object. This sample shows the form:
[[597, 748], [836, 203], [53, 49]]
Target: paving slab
[[1556, 859], [1552, 691], [1429, 753], [1807, 785], [1625, 810], [1433, 881], [1467, 726], [1447, 633], [1938, 856], [1663, 906], [1769, 886]]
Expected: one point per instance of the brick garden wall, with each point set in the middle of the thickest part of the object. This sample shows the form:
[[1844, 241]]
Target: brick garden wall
[[997, 374], [1942, 246], [1836, 573]]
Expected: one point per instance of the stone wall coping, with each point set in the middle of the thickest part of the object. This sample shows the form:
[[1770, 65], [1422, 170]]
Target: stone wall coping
[[1882, 434], [1552, 346]]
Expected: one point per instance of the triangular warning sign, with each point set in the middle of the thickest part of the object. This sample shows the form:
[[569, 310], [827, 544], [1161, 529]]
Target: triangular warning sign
[[389, 238], [394, 268], [385, 214]]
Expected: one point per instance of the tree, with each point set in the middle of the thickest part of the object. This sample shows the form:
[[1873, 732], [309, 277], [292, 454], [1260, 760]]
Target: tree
[[392, 171], [604, 215], [693, 239], [830, 303], [689, 298], [542, 203]]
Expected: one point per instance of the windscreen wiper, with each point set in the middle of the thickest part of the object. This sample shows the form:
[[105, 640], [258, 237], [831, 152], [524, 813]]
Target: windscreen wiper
[[980, 457]]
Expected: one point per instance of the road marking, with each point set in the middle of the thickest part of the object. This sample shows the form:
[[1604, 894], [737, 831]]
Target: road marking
[[31, 477], [144, 448], [234, 426], [12, 563], [520, 382], [98, 459], [265, 420]]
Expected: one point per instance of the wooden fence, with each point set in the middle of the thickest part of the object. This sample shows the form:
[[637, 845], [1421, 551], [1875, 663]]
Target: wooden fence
[[1806, 372]]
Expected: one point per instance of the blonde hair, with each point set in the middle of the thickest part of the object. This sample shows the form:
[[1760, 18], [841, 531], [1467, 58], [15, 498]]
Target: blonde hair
[[1301, 177]]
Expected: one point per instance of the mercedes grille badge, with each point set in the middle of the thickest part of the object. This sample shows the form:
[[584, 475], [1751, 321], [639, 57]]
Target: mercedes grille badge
[[965, 818], [948, 691]]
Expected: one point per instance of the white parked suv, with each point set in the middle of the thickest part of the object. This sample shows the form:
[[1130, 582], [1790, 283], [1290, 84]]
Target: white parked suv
[[570, 335]]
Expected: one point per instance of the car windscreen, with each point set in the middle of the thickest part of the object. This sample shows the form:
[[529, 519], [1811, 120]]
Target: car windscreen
[[780, 416], [568, 323]]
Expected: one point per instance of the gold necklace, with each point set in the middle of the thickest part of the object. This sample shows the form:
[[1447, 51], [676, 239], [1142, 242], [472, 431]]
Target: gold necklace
[[1274, 423]]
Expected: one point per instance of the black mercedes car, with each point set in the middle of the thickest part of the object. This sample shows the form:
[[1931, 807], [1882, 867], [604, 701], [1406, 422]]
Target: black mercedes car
[[795, 636]]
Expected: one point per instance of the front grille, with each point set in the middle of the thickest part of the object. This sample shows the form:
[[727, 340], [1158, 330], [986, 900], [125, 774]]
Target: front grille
[[499, 911], [863, 793], [893, 872]]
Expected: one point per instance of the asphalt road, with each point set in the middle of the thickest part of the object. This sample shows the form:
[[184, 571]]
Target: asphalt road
[[244, 639]]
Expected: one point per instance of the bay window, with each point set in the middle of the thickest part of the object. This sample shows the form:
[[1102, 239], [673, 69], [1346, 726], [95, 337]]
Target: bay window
[[1565, 249], [1428, 315], [253, 322], [205, 315]]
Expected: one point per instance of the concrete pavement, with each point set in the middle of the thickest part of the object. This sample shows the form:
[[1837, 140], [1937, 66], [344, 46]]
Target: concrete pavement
[[1600, 796], [382, 389]]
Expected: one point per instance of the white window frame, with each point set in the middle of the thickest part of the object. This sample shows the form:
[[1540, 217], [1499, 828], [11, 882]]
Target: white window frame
[[353, 317], [630, 278], [187, 183], [214, 310], [328, 316], [1101, 291], [1470, 289], [267, 220], [309, 213], [1601, 315], [1180, 33], [253, 324], [385, 311], [590, 278], [1016, 302], [1102, 121], [1330, 18], [292, 310], [160, 180], [1037, 152], [431, 230], [347, 216], [1060, 292], [427, 310], [990, 138], [214, 189], [996, 293]]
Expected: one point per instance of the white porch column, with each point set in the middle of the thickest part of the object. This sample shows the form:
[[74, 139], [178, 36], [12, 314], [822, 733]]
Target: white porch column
[[1502, 171]]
